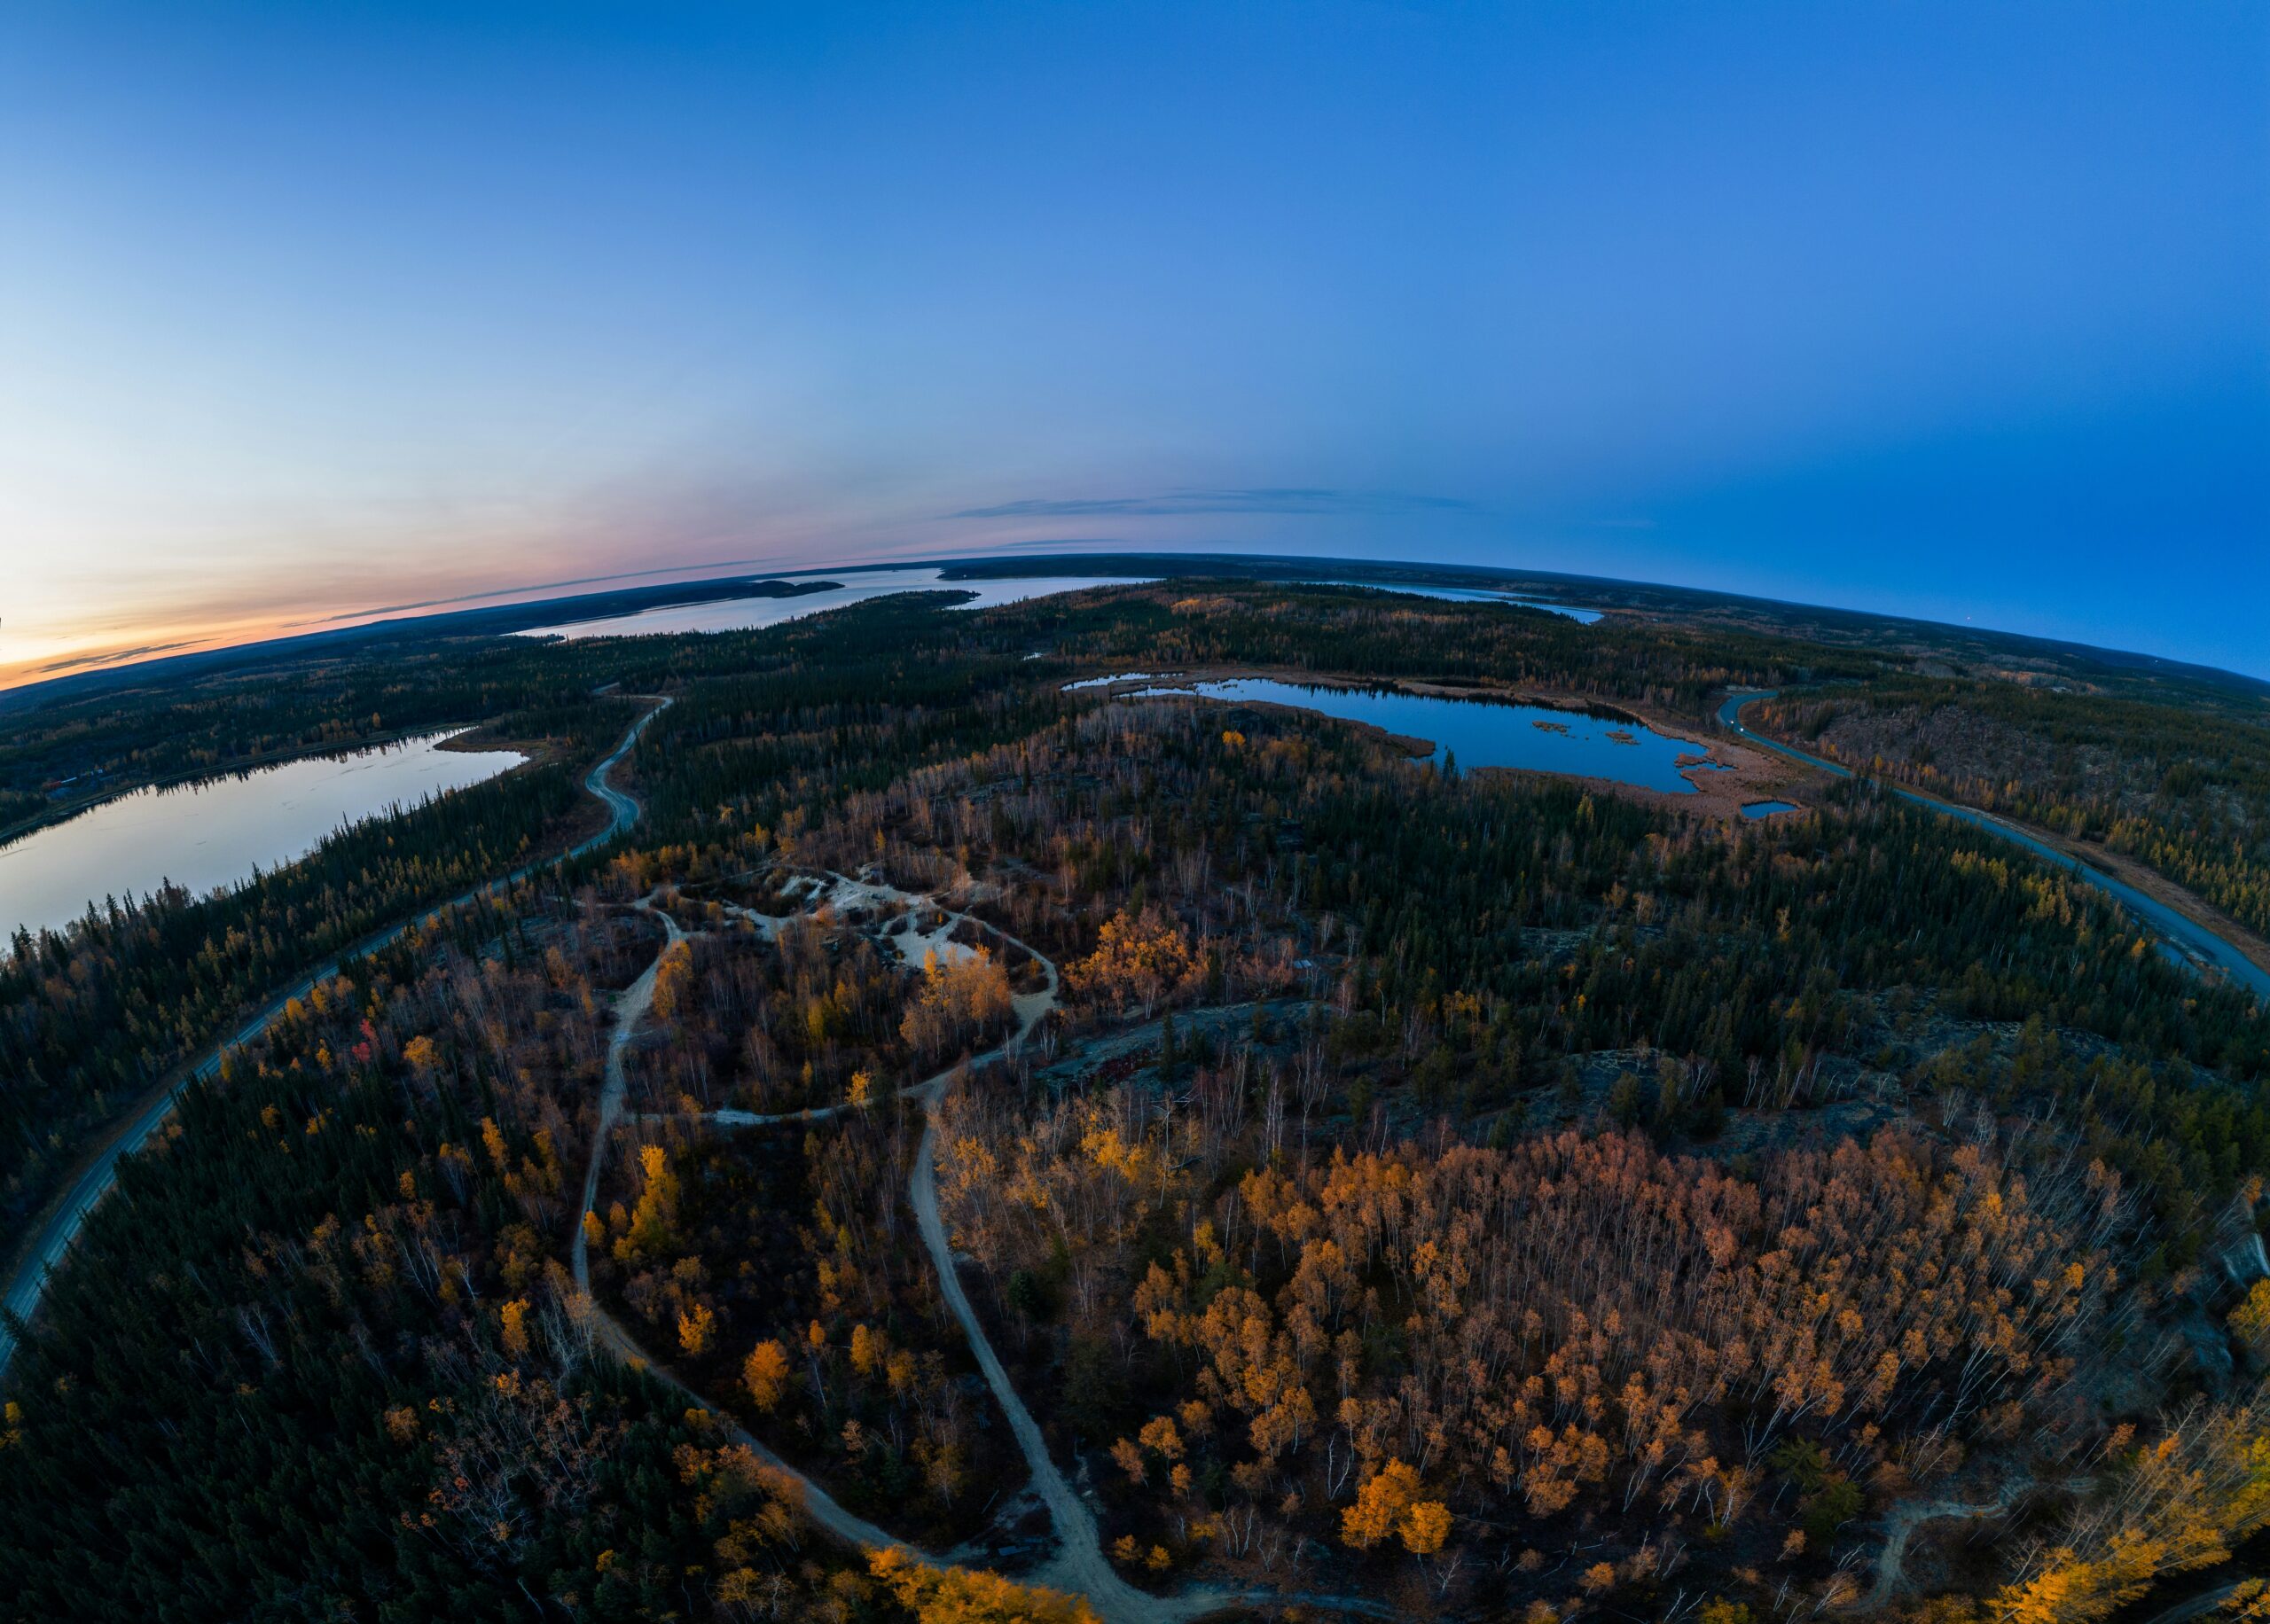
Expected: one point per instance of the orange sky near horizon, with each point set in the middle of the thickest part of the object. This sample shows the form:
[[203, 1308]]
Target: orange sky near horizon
[[43, 640], [107, 598], [310, 311]]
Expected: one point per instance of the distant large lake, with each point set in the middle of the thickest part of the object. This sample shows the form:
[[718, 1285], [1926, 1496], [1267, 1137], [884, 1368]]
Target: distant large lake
[[1480, 732], [215, 831], [749, 613]]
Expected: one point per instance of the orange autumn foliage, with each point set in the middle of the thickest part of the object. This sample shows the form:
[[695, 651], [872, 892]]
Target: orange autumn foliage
[[966, 1595], [1137, 962], [766, 1374]]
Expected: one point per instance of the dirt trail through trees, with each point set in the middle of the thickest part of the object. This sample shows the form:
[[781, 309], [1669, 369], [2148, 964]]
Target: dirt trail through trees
[[1902, 1521], [1079, 1566], [1079, 1563], [632, 1005], [1072, 1519]]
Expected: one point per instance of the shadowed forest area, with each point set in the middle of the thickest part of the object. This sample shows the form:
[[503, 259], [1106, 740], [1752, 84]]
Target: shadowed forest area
[[1390, 1191]]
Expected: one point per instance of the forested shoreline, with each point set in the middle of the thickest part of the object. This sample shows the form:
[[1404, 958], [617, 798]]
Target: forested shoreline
[[91, 1018]]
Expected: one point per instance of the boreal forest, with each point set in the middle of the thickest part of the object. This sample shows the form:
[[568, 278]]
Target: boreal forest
[[1008, 1132]]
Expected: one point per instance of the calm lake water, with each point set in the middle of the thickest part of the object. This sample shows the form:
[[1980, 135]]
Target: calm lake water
[[215, 831], [1766, 808], [1482, 732], [1121, 676], [749, 613]]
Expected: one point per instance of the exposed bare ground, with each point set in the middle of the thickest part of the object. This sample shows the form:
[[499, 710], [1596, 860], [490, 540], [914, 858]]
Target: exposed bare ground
[[1900, 1523], [630, 1007]]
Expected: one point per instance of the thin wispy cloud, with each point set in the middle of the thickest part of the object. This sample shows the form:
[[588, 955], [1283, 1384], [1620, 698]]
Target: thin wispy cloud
[[540, 586], [117, 656], [1248, 499], [1053, 541]]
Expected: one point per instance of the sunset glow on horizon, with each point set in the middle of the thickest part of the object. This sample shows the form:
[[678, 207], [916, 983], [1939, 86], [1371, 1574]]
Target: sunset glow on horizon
[[311, 313]]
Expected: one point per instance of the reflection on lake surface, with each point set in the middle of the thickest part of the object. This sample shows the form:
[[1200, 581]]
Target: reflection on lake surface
[[1766, 808], [750, 614], [1123, 677], [1482, 732], [214, 832]]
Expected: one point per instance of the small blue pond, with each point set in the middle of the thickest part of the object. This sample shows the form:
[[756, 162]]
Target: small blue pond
[[1482, 732], [1767, 808]]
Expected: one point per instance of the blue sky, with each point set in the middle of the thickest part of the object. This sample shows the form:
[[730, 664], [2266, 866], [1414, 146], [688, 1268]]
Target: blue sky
[[1953, 310]]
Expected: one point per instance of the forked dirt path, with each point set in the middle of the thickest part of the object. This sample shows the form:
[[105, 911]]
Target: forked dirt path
[[1079, 1566], [630, 1007]]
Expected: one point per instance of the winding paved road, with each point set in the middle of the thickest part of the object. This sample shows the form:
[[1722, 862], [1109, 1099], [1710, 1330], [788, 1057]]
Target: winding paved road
[[65, 1219], [1079, 1566], [2185, 939]]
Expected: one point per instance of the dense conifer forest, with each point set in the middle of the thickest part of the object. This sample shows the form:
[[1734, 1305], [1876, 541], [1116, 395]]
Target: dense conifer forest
[[1363, 1189]]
